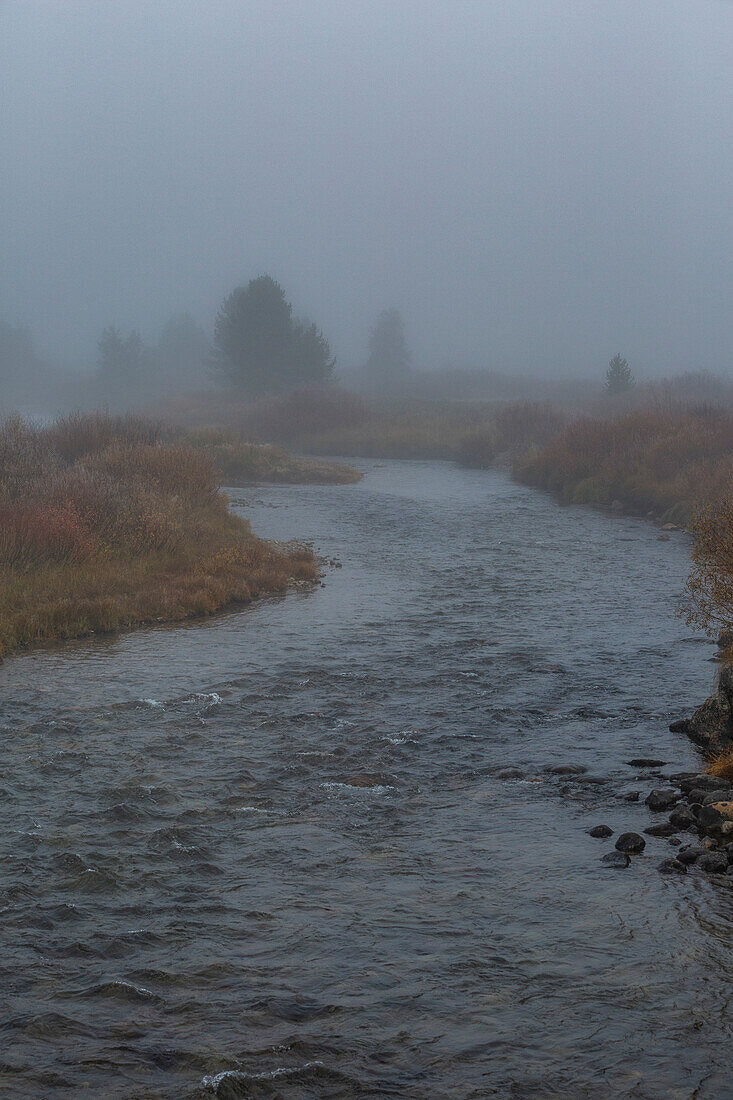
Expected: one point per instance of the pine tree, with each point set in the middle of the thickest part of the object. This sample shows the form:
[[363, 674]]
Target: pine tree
[[619, 378]]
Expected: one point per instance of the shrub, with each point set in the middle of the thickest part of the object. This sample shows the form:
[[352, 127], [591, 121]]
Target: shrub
[[82, 434]]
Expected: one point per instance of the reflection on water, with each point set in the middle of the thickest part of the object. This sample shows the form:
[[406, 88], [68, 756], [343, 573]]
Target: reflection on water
[[329, 845]]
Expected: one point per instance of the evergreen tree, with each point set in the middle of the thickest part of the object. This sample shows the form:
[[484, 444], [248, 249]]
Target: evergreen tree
[[619, 378], [260, 348]]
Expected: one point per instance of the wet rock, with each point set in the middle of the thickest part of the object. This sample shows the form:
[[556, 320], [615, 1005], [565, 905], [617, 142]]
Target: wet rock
[[715, 863], [567, 769], [712, 723], [665, 828], [683, 817], [671, 866], [600, 831], [675, 840], [663, 538], [704, 782], [659, 800], [615, 859], [369, 779], [645, 762], [698, 795], [689, 855], [630, 796], [510, 773], [717, 796], [630, 842], [714, 814], [670, 527]]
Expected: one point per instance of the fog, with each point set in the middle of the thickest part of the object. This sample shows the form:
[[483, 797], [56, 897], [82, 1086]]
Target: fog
[[534, 186]]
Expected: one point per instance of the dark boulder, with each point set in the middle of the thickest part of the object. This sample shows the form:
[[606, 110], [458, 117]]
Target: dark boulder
[[665, 828], [717, 796], [631, 842], [689, 855], [615, 859], [645, 762], [659, 800], [710, 816], [704, 782], [715, 863], [712, 723], [631, 796], [600, 831], [682, 817], [672, 867]]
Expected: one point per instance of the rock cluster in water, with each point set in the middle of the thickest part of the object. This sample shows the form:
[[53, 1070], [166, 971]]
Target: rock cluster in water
[[703, 807]]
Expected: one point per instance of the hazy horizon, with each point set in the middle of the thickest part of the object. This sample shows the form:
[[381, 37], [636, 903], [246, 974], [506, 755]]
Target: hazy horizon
[[535, 187]]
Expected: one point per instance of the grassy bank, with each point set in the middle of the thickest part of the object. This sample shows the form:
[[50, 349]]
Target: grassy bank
[[327, 420], [103, 526], [648, 462], [237, 462]]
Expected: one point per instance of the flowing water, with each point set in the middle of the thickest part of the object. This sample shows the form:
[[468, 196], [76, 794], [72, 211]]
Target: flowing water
[[328, 845]]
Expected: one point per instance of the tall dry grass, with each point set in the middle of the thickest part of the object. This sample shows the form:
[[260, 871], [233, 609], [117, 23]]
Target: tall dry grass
[[103, 524], [663, 463]]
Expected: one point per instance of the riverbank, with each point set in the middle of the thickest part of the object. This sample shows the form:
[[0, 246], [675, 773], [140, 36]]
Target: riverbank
[[238, 462], [654, 464], [104, 526]]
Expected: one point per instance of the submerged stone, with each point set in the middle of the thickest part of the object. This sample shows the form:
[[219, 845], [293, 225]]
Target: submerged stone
[[567, 769], [600, 831], [615, 859], [672, 866], [645, 762]]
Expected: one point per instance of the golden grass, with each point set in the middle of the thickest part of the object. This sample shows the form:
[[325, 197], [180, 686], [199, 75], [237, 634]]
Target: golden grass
[[109, 529], [664, 463], [237, 462], [722, 765]]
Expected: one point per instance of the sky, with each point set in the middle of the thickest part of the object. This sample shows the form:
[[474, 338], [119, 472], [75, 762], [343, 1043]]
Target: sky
[[535, 185]]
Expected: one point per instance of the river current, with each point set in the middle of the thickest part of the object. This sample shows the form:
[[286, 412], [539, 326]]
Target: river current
[[335, 844]]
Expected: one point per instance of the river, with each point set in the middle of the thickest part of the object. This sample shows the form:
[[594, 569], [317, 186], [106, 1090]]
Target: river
[[316, 847]]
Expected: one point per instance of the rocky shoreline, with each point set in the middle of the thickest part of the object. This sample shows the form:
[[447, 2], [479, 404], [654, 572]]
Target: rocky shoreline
[[701, 808], [698, 805]]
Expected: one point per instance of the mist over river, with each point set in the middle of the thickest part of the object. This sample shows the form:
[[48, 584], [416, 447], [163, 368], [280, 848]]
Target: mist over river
[[278, 853]]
